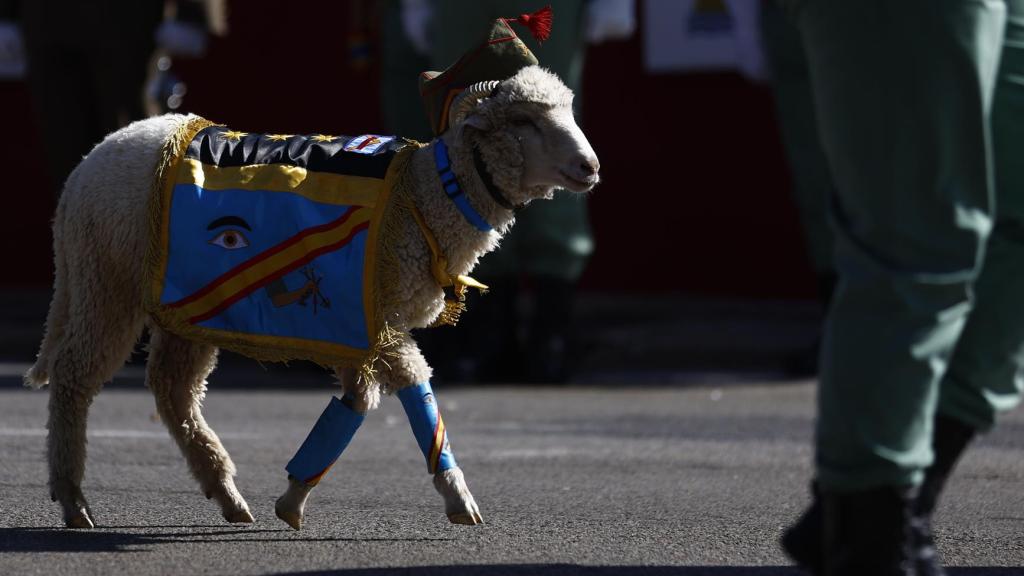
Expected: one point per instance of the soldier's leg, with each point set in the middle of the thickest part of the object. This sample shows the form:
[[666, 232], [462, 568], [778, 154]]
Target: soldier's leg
[[798, 127], [985, 373], [909, 153], [984, 377], [903, 96]]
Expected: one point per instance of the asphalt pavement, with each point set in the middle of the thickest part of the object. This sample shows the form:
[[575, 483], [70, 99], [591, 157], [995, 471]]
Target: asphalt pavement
[[609, 480]]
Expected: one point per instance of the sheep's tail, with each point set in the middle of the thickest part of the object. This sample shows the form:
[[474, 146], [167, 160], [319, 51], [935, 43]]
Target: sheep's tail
[[39, 374], [56, 319]]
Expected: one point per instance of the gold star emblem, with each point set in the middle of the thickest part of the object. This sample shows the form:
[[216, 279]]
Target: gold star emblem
[[278, 137], [323, 138], [233, 135]]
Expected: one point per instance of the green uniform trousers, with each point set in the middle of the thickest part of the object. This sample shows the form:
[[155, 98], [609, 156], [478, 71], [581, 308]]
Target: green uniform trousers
[[798, 127], [921, 109], [551, 238]]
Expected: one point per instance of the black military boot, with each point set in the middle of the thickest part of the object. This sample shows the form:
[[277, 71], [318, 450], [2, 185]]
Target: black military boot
[[950, 439], [868, 532], [805, 541], [802, 542]]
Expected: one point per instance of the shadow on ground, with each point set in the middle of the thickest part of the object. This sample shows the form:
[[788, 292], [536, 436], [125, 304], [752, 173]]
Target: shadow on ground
[[561, 570], [577, 570], [133, 539]]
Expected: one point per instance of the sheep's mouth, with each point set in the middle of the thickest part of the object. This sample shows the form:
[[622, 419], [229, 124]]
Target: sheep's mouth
[[577, 185]]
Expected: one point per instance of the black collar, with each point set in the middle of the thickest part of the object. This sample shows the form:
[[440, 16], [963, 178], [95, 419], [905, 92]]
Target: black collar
[[492, 189]]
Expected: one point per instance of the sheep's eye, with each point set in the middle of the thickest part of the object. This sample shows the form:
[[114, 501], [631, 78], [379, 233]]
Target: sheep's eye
[[522, 122], [230, 240]]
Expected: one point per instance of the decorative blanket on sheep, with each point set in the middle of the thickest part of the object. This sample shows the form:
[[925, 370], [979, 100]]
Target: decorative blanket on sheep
[[268, 244]]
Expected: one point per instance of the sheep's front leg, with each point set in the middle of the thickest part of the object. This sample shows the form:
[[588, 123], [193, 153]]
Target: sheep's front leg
[[410, 376], [323, 446], [432, 436]]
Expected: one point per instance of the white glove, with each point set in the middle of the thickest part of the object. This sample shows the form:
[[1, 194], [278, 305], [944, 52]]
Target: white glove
[[181, 38], [610, 20], [416, 17], [12, 52]]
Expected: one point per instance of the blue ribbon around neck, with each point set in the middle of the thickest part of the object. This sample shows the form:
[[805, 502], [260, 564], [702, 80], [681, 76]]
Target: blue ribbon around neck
[[453, 190]]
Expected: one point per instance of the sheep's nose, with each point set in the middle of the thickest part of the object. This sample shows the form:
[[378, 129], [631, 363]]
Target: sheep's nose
[[590, 166]]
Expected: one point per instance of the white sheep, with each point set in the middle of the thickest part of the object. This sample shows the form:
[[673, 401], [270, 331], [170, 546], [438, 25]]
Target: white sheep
[[527, 138]]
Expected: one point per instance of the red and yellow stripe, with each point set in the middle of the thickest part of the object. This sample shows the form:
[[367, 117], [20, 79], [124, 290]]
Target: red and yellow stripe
[[438, 445], [315, 479], [272, 264]]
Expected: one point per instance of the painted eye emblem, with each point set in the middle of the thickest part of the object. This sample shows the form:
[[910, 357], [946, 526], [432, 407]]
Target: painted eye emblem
[[230, 240]]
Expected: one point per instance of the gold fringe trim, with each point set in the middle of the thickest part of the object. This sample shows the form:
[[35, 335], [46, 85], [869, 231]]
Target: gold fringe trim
[[451, 313], [383, 350], [159, 198], [388, 336]]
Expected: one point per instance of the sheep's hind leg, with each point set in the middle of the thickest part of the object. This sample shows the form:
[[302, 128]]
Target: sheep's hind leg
[[176, 373], [70, 397], [90, 352]]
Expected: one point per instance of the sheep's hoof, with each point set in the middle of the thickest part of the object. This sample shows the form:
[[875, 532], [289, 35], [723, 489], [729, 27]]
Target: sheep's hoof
[[459, 504], [79, 519], [466, 518], [240, 517], [290, 506], [73, 504], [232, 505], [290, 518]]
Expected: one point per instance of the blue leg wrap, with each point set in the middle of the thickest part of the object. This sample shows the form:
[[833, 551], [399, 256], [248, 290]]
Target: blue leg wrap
[[428, 426], [325, 443]]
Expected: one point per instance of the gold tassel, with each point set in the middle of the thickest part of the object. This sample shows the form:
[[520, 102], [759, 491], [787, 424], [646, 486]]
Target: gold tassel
[[449, 316]]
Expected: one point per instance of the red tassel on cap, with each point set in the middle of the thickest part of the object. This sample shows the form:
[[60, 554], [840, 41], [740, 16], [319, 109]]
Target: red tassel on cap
[[539, 23]]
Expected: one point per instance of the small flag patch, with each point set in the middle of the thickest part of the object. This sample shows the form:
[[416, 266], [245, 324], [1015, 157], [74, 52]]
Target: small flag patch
[[367, 143]]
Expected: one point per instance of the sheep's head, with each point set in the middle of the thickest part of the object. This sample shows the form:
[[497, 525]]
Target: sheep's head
[[525, 131]]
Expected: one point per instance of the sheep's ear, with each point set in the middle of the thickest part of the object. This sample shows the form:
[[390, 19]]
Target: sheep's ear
[[477, 122]]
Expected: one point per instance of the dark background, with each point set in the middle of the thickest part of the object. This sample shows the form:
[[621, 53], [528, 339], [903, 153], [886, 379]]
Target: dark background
[[695, 196]]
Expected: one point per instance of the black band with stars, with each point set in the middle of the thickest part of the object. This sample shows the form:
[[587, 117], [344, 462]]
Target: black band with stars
[[219, 146]]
